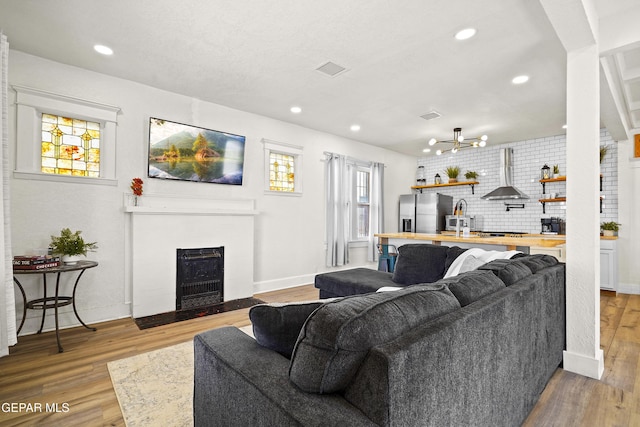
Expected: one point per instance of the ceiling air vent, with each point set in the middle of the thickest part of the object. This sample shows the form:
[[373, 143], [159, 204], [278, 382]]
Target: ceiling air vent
[[433, 114], [331, 69]]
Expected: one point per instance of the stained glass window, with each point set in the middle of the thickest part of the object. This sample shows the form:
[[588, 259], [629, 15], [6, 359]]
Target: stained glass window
[[70, 146], [281, 172]]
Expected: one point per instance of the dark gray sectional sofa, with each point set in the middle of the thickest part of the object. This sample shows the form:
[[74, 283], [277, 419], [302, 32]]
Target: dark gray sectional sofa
[[416, 263], [476, 349]]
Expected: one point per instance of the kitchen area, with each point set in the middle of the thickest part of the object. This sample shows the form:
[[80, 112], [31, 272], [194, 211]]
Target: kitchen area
[[513, 202]]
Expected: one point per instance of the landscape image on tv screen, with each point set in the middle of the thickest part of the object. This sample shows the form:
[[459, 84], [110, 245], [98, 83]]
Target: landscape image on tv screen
[[190, 153]]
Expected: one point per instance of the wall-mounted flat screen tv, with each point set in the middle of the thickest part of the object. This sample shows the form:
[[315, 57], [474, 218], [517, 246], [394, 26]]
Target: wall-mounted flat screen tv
[[191, 153]]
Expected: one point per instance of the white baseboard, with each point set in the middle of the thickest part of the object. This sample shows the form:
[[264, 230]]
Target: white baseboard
[[592, 367], [67, 318], [629, 288], [293, 281]]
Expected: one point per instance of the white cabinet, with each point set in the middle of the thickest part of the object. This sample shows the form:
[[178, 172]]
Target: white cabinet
[[555, 251], [608, 265], [608, 261]]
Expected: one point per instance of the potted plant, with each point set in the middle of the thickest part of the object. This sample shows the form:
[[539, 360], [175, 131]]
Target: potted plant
[[452, 172], [556, 171], [471, 175], [609, 228], [71, 245], [603, 152]]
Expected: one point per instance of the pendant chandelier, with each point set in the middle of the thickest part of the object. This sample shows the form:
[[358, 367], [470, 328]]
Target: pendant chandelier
[[459, 142]]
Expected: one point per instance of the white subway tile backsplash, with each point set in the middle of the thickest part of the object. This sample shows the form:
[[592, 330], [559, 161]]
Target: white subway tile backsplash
[[529, 157]]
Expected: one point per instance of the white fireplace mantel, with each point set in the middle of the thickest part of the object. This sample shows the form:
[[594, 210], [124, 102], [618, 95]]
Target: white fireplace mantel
[[160, 224]]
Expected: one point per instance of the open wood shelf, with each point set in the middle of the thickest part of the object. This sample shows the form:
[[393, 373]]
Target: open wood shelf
[[449, 184]]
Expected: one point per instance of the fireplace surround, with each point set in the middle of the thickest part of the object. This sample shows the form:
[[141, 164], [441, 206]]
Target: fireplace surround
[[160, 224]]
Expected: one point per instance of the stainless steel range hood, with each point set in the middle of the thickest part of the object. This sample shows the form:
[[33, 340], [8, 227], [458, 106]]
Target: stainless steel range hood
[[506, 191]]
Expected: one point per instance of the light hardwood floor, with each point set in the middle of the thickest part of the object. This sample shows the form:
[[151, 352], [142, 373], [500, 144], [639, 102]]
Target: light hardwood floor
[[35, 373]]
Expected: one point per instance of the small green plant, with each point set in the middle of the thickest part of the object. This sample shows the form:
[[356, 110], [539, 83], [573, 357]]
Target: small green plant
[[471, 175], [603, 152], [610, 225], [452, 171], [556, 169], [69, 243]]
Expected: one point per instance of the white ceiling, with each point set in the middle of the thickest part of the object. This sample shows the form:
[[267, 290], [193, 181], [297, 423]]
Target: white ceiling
[[261, 56]]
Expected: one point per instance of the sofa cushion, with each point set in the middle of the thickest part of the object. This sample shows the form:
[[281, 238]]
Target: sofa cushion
[[277, 326], [508, 270], [418, 263], [538, 261], [338, 335], [354, 281], [473, 285]]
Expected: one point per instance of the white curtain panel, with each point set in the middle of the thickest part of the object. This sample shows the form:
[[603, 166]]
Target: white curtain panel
[[376, 209], [337, 209], [7, 303]]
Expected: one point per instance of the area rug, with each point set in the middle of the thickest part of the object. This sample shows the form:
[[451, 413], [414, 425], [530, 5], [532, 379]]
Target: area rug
[[156, 388]]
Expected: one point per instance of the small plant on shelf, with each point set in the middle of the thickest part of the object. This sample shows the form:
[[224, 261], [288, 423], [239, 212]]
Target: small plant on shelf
[[471, 175], [609, 228], [71, 244], [603, 152], [452, 172], [556, 171]]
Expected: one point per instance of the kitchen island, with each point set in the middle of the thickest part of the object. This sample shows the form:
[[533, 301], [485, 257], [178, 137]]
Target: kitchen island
[[507, 242]]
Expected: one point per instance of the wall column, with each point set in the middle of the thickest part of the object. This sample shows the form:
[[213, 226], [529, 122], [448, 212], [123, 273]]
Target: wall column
[[583, 354], [576, 24]]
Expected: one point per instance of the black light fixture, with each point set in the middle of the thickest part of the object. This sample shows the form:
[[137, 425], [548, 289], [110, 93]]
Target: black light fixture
[[459, 142]]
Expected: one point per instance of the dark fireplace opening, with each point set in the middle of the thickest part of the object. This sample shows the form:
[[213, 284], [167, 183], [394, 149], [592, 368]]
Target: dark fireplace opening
[[200, 277]]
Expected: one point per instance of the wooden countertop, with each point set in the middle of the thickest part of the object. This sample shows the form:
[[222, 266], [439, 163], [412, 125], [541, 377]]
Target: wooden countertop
[[529, 240]]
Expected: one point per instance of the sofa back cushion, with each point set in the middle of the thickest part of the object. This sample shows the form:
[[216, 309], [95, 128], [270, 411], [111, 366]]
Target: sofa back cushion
[[337, 336], [508, 270], [473, 285], [420, 263], [537, 262]]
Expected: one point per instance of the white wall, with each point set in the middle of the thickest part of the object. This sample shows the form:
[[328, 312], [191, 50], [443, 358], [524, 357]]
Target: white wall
[[289, 239], [629, 234]]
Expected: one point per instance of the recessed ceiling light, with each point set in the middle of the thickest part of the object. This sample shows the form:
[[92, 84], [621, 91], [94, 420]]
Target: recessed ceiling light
[[465, 34], [105, 50], [520, 79], [426, 150], [564, 126], [355, 128], [296, 110]]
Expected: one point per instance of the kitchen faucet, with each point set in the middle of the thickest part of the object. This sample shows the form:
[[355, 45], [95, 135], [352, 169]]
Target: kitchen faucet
[[458, 211]]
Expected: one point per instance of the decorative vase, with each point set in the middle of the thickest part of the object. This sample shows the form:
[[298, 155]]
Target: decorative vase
[[452, 180], [70, 259], [608, 233]]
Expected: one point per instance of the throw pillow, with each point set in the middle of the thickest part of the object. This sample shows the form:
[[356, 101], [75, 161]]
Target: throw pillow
[[418, 263], [336, 337], [473, 285], [276, 326]]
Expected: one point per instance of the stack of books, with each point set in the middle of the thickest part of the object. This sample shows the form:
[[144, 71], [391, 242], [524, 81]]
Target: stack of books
[[35, 262]]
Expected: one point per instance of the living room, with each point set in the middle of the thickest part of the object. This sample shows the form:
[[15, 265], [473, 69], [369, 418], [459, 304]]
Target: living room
[[288, 242]]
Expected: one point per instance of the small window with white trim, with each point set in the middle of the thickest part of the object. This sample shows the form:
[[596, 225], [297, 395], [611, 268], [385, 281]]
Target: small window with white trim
[[283, 164]]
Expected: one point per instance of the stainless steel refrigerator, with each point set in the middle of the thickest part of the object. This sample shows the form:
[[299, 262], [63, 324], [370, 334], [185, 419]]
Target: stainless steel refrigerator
[[424, 212]]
